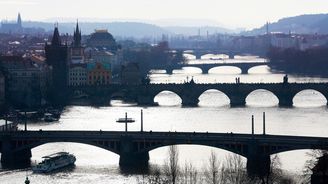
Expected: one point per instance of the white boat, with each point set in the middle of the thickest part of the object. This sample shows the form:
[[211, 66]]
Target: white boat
[[54, 161], [49, 117]]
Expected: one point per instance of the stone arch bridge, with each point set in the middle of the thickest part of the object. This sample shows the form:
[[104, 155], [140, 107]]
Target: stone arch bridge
[[133, 147], [205, 67], [190, 92]]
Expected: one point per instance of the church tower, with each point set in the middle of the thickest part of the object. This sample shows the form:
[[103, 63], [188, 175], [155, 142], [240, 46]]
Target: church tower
[[77, 36], [19, 21], [76, 50], [57, 56]]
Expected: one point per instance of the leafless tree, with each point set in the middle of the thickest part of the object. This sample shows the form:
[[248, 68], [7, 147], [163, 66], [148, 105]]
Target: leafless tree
[[234, 170], [189, 175], [309, 164], [213, 174], [171, 167], [154, 177]]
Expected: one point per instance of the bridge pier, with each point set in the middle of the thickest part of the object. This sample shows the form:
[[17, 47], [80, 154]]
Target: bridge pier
[[189, 101], [146, 101], [258, 165], [9, 157], [244, 70], [169, 71], [130, 156], [258, 162], [285, 100], [198, 55], [237, 100]]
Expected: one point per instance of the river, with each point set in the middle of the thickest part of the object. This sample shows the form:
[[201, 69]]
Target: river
[[308, 117]]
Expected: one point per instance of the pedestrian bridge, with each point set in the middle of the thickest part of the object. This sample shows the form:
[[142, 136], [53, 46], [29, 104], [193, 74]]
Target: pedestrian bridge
[[133, 147]]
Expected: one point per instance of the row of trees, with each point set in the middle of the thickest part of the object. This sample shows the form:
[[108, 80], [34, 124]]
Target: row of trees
[[229, 171], [153, 57], [312, 61]]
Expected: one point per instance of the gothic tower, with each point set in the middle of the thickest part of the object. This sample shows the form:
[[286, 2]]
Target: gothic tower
[[77, 36], [19, 21], [57, 56], [76, 50]]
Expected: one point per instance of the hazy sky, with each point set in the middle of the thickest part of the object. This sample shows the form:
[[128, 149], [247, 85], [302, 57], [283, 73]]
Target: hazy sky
[[236, 13]]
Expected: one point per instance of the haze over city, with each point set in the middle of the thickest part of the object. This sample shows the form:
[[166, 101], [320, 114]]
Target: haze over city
[[164, 92], [232, 14]]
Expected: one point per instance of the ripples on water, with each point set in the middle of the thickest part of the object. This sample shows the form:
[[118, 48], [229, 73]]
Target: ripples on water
[[95, 165]]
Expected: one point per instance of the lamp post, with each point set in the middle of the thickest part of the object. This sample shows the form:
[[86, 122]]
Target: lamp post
[[125, 120]]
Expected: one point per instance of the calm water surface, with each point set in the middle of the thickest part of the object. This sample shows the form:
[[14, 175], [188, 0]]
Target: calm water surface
[[308, 117]]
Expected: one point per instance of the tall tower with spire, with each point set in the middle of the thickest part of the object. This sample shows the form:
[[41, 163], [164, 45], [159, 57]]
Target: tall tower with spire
[[76, 49], [77, 36], [19, 21], [57, 57]]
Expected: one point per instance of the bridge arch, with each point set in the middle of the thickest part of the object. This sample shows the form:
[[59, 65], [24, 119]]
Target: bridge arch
[[167, 98], [315, 97], [227, 148], [106, 145], [223, 69], [250, 70], [213, 97], [261, 97], [193, 69]]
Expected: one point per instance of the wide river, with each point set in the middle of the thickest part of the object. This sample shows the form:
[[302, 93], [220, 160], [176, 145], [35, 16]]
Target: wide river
[[308, 117]]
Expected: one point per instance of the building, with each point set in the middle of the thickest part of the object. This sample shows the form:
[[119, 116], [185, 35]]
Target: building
[[2, 91], [102, 40], [57, 59], [12, 27], [76, 50], [99, 73], [130, 74], [77, 75], [27, 81]]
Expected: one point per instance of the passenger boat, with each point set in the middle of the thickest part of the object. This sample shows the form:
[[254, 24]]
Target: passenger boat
[[49, 117], [54, 161]]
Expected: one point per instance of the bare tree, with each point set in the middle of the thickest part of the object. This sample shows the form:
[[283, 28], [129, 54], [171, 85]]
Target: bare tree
[[234, 170], [154, 177], [189, 175], [171, 167], [309, 164], [212, 171]]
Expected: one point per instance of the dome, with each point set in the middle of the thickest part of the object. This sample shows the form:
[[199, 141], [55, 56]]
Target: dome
[[102, 39]]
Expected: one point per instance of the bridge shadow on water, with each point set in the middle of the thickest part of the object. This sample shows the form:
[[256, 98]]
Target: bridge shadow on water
[[15, 166], [141, 170]]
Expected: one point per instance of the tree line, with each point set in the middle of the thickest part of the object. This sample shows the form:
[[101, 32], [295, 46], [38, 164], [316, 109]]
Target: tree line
[[313, 61]]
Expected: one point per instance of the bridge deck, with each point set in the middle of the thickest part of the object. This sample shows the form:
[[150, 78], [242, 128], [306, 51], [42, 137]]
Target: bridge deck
[[26, 135]]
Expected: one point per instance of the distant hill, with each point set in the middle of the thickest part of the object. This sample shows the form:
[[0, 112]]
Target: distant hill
[[190, 30], [303, 24], [129, 29], [118, 29]]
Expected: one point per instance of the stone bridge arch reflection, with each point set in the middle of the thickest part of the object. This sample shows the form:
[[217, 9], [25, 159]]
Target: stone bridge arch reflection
[[309, 98], [213, 97], [262, 97], [167, 98]]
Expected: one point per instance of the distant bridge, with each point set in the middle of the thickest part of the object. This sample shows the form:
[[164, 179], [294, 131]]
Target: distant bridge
[[205, 67], [190, 92], [133, 147], [199, 52]]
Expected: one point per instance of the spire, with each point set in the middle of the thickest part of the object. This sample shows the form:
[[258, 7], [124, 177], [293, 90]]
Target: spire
[[19, 20], [77, 36], [56, 38]]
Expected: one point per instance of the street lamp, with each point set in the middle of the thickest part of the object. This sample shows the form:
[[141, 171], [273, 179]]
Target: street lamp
[[125, 120]]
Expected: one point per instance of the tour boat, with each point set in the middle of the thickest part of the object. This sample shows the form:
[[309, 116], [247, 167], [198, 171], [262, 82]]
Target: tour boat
[[49, 117], [54, 161]]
